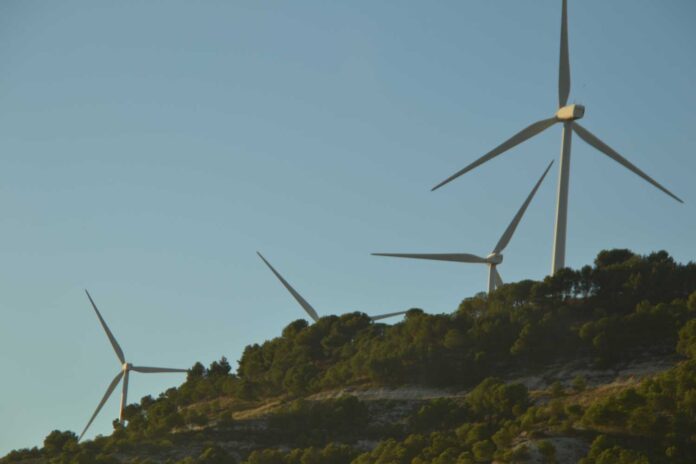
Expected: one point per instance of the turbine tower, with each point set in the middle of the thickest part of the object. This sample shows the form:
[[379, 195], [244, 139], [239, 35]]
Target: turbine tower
[[568, 116], [306, 306], [494, 258], [123, 374]]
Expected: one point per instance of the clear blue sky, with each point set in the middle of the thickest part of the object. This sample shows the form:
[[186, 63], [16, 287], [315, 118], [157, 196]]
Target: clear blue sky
[[148, 149]]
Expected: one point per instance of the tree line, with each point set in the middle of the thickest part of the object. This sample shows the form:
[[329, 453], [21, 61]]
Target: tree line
[[623, 305]]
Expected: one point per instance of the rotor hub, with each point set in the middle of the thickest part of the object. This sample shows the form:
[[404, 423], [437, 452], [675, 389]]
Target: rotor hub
[[494, 258], [570, 112], [126, 367]]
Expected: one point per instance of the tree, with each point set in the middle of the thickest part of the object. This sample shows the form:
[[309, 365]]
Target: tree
[[483, 450], [687, 339], [197, 372], [607, 258], [57, 441], [215, 455], [579, 383], [547, 450], [219, 368], [556, 389]]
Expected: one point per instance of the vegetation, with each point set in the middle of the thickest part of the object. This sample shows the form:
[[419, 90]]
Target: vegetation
[[621, 308]]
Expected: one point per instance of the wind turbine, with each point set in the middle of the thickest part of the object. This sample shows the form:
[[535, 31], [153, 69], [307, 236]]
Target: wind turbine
[[123, 373], [494, 258], [306, 306], [568, 116]]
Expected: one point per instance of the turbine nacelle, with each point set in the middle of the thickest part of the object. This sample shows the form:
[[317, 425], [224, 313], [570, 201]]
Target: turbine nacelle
[[126, 367], [570, 112], [496, 256]]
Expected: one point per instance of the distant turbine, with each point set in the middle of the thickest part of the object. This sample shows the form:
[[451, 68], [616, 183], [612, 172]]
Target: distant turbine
[[306, 306], [566, 114], [493, 259], [123, 374]]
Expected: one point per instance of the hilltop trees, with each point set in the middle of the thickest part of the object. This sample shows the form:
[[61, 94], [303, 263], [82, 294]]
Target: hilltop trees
[[606, 313], [57, 441], [623, 304]]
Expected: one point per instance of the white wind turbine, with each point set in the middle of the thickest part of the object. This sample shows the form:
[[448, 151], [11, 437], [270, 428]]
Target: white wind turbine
[[123, 373], [494, 258], [306, 306], [568, 116]]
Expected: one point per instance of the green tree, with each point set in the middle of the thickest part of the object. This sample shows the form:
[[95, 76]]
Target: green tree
[[483, 450], [197, 372], [547, 450], [687, 339], [215, 455], [219, 368], [579, 383], [57, 441]]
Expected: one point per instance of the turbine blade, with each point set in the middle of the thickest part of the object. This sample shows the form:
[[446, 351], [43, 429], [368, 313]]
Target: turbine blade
[[306, 306], [154, 370], [507, 235], [591, 139], [384, 316], [498, 279], [526, 133], [109, 391], [564, 62], [455, 257], [114, 343]]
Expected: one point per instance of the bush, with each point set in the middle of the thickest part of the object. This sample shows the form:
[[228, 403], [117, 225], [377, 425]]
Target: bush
[[687, 339], [547, 450], [579, 383], [56, 442]]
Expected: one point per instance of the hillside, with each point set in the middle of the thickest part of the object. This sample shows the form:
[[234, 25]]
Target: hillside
[[594, 365]]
